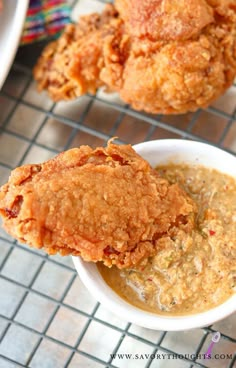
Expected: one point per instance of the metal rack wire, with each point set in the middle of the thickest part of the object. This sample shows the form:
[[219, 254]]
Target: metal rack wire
[[47, 318]]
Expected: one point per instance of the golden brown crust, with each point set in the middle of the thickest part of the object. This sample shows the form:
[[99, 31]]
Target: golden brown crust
[[106, 205], [70, 66], [162, 56], [165, 20], [178, 75]]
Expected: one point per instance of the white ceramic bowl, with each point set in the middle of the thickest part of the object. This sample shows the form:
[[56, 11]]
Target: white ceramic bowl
[[162, 152], [12, 19]]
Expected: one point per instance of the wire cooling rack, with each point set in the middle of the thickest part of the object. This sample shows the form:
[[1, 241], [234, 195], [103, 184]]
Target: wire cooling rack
[[47, 317]]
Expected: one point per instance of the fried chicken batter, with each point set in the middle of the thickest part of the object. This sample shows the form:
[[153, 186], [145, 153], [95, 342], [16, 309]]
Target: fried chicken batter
[[161, 56], [106, 205], [70, 66]]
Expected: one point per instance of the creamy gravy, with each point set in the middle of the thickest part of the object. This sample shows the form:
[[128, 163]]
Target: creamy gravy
[[191, 272]]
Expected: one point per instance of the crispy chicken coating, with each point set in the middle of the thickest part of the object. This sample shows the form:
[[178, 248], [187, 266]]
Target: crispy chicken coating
[[165, 20], [71, 66], [190, 63], [162, 56], [105, 205]]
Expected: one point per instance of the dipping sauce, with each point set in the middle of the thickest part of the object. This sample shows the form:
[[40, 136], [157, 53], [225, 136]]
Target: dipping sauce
[[191, 272]]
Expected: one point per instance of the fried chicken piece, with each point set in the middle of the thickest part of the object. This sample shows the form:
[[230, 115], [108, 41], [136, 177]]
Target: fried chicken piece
[[105, 205], [175, 73], [162, 56], [165, 20], [70, 66]]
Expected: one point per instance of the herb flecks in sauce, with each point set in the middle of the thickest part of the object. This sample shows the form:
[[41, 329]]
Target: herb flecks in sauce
[[189, 273]]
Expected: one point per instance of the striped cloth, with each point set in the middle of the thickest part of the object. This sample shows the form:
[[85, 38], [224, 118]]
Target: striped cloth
[[45, 18]]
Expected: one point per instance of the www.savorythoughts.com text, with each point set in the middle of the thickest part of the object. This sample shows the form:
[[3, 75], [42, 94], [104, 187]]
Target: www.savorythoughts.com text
[[166, 356]]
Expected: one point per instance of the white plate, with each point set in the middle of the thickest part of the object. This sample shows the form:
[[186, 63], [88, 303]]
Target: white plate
[[12, 19]]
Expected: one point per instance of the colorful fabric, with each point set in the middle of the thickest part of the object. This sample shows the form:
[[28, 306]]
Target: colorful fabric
[[45, 18]]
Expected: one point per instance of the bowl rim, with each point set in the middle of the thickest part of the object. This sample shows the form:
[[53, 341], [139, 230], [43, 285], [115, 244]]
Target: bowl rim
[[13, 40], [94, 282]]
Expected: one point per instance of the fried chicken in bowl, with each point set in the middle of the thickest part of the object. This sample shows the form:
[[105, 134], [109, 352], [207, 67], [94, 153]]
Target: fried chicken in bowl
[[161, 153], [106, 204]]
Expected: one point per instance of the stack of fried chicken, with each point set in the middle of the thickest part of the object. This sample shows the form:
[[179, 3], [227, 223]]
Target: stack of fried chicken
[[162, 56]]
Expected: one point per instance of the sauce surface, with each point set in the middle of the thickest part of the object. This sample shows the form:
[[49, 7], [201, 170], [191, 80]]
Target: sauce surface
[[191, 272]]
